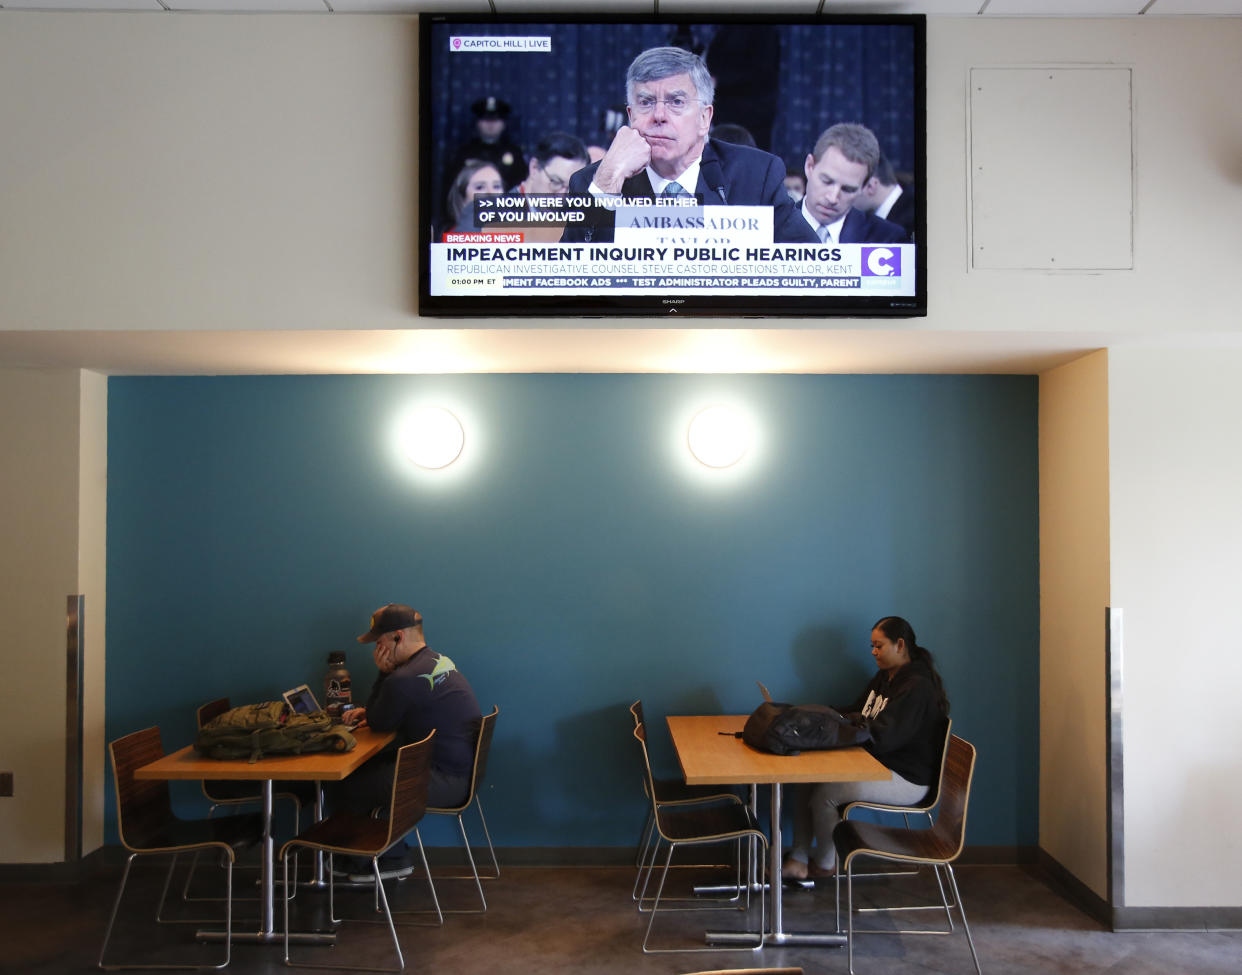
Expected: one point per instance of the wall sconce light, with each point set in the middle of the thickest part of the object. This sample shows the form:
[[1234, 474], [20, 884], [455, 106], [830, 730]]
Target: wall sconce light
[[718, 437], [433, 437]]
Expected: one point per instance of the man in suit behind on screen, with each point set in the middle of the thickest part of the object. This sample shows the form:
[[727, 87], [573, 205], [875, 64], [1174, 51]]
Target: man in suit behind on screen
[[843, 160], [665, 151], [888, 197]]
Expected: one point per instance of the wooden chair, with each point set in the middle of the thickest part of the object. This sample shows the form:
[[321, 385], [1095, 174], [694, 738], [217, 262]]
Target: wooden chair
[[667, 792], [695, 825], [924, 808], [148, 827], [940, 845], [482, 746], [231, 793], [352, 834]]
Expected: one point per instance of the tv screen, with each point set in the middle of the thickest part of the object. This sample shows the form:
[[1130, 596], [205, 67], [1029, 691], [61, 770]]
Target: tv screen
[[731, 166]]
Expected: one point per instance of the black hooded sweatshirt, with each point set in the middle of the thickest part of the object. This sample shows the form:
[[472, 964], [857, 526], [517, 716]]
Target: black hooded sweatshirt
[[903, 715]]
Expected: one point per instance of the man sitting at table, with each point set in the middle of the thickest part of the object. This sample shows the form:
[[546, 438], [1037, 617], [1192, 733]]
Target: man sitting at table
[[417, 690]]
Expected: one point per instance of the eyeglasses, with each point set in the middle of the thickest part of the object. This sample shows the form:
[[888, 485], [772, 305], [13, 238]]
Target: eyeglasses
[[555, 181], [674, 104]]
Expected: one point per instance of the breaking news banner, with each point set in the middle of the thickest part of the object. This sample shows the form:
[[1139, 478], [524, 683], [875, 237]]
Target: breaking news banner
[[684, 249]]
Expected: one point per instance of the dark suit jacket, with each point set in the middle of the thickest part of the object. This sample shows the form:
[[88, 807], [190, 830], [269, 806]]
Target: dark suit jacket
[[903, 210], [728, 174], [862, 227]]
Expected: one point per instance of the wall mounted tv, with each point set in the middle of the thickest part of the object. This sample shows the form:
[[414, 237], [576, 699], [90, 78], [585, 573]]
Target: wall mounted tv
[[672, 167]]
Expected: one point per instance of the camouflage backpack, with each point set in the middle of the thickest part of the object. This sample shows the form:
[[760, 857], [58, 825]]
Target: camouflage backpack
[[271, 728]]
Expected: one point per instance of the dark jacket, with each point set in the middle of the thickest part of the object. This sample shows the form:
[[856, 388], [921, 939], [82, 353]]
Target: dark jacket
[[728, 174], [902, 212], [426, 692], [903, 715], [864, 227]]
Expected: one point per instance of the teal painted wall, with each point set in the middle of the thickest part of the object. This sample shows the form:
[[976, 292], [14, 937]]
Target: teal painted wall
[[575, 559]]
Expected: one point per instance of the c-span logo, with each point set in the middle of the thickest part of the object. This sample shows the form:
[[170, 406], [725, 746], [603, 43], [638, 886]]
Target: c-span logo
[[884, 262]]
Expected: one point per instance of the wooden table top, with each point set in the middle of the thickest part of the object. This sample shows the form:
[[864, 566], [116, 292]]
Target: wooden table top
[[186, 763], [710, 758]]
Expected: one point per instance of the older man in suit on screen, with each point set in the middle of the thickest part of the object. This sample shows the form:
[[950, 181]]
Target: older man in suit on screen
[[665, 152]]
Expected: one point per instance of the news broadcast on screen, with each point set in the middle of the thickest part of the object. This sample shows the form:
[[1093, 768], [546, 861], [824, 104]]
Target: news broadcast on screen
[[747, 166]]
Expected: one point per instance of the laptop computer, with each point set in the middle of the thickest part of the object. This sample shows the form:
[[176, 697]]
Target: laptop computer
[[301, 699]]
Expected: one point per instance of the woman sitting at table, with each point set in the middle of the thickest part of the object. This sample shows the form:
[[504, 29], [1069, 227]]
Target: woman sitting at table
[[904, 706]]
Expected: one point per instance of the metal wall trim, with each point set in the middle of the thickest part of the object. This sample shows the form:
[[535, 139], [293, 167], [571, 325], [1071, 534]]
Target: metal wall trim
[[1113, 643], [75, 622]]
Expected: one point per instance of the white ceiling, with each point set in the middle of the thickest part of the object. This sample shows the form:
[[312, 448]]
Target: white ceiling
[[568, 349], [985, 8]]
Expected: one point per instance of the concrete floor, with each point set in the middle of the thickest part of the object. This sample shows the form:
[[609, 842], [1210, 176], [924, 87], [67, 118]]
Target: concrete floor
[[544, 920]]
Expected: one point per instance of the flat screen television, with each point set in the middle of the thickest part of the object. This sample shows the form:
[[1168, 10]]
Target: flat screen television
[[554, 148]]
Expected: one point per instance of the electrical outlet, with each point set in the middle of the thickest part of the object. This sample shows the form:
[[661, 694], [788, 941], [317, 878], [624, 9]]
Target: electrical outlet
[[6, 784]]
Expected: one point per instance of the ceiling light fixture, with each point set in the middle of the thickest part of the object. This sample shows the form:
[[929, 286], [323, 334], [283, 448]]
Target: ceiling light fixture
[[433, 437], [718, 437]]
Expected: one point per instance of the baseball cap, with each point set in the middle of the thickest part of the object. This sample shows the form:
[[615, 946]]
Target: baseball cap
[[394, 616]]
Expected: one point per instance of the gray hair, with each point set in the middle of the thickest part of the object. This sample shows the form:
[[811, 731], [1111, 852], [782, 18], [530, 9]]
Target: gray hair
[[664, 62], [855, 142]]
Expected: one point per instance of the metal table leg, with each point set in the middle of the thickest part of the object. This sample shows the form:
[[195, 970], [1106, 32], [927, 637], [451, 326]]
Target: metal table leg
[[778, 935], [267, 933]]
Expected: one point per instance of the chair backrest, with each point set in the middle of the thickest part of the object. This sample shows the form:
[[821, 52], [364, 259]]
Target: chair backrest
[[218, 790], [142, 806], [959, 769], [409, 788], [482, 746], [212, 709], [933, 793], [640, 732]]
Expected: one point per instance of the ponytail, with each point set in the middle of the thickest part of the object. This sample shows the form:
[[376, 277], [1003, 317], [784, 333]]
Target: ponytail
[[896, 628]]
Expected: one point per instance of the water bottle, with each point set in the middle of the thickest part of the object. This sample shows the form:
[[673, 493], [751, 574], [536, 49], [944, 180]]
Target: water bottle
[[336, 692]]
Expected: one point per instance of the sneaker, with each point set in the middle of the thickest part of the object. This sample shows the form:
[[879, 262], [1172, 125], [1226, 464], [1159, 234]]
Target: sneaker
[[345, 866], [389, 873]]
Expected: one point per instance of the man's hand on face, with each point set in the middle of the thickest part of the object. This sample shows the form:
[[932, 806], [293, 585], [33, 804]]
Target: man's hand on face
[[391, 651], [628, 154]]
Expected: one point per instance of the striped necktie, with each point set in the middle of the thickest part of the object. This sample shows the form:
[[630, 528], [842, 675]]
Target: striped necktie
[[672, 190]]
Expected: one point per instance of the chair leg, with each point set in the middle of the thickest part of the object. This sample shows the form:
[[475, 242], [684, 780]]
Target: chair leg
[[644, 847], [944, 905], [648, 950], [470, 856], [382, 905], [644, 840], [704, 903], [849, 915], [116, 904], [431, 886], [228, 922], [945, 902], [961, 909], [491, 849]]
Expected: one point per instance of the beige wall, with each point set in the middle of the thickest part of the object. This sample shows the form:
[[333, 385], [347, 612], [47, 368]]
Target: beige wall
[[39, 553], [92, 551], [1073, 591], [1176, 480]]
